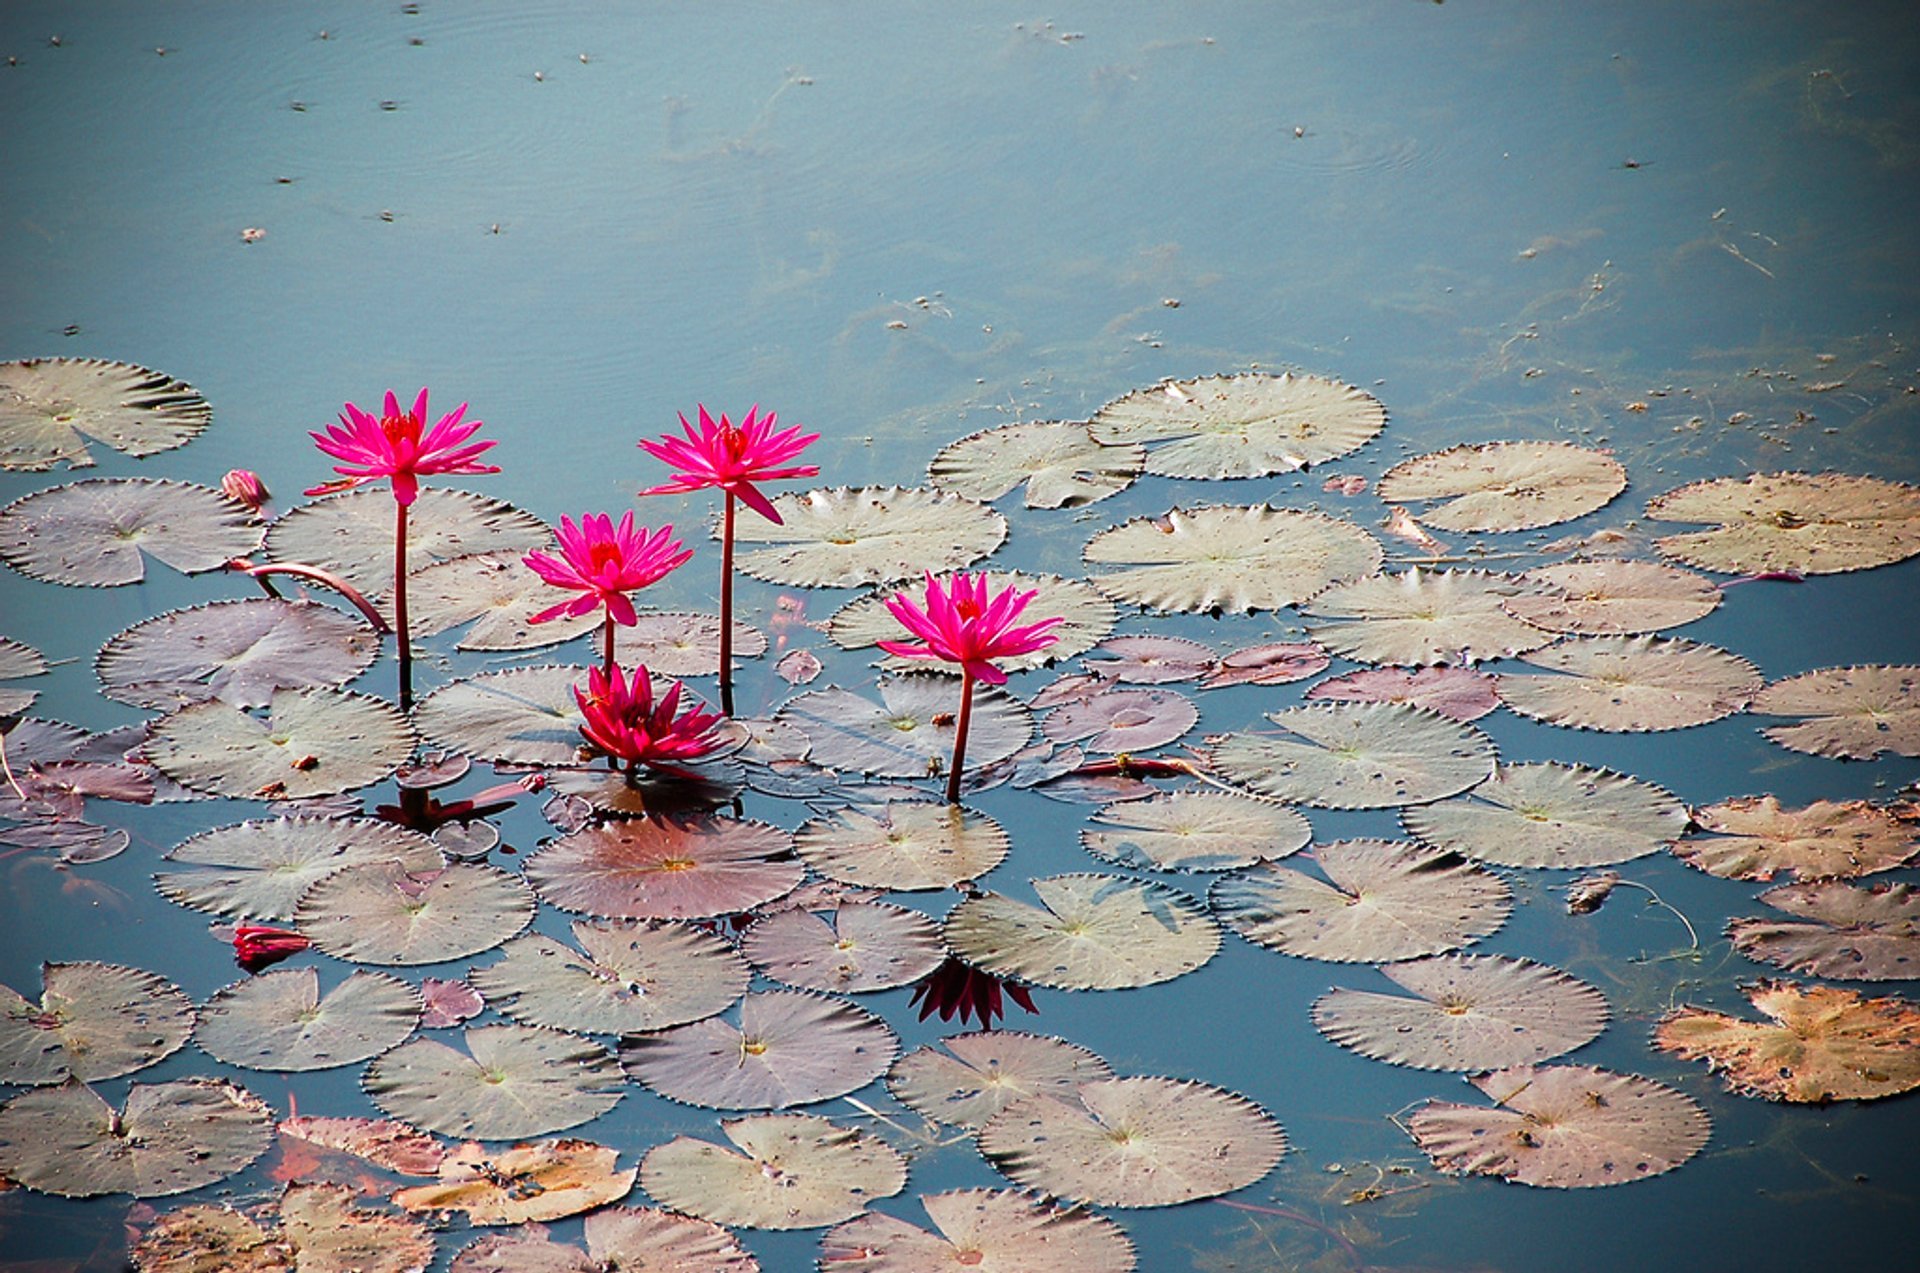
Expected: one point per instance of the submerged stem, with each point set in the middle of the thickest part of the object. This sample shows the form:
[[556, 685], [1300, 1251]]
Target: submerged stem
[[726, 607], [960, 735]]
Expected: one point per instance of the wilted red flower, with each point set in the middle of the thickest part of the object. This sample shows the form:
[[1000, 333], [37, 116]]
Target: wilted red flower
[[730, 458], [392, 446], [957, 988], [624, 720], [244, 486], [963, 624], [256, 946], [604, 563]]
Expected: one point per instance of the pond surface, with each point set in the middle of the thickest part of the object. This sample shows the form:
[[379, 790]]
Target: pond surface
[[1683, 234]]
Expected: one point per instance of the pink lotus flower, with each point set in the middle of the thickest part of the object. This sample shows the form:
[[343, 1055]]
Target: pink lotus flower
[[958, 988], [730, 458], [625, 721], [962, 624], [392, 446], [243, 486], [256, 946], [603, 563]]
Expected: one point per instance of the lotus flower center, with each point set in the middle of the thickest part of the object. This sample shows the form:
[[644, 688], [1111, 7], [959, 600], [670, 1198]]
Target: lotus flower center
[[604, 554], [400, 428], [966, 608]]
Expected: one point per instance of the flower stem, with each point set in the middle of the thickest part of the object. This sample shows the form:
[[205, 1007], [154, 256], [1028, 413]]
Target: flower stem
[[302, 570], [726, 607], [400, 631], [960, 736], [609, 628]]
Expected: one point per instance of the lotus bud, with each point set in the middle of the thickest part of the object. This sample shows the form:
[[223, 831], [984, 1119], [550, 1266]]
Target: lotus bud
[[255, 946], [245, 487]]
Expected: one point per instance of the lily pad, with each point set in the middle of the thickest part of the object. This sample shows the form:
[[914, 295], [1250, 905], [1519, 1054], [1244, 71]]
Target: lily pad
[[313, 742], [1564, 1127], [856, 947], [93, 1021], [1230, 559], [388, 1145], [1086, 616], [1357, 756], [18, 660], [92, 534], [167, 1138], [1809, 523], [1467, 1012], [790, 1171], [978, 1075], [1839, 931], [909, 733], [1195, 831], [1505, 485], [666, 868], [1271, 663], [50, 406], [626, 976], [498, 594], [203, 1238], [1458, 693], [279, 1021], [903, 845], [1248, 425], [351, 533], [1134, 1142], [521, 716], [683, 644], [1851, 713], [1382, 901], [1754, 838], [546, 1180], [1149, 660], [1090, 932], [1613, 596], [1547, 814], [239, 652], [792, 1047], [998, 1230], [846, 537], [1059, 462], [1631, 684], [381, 913], [512, 1081], [1122, 721], [644, 1239], [258, 870], [329, 1234], [1422, 617], [1821, 1043]]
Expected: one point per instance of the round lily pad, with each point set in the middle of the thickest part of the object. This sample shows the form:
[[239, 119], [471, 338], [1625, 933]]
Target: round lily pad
[[1613, 596], [1248, 425], [93, 1021], [329, 1234], [857, 946], [903, 845], [351, 533], [167, 1138], [381, 913], [991, 1229], [1090, 932], [1150, 660], [1754, 838], [279, 1021], [1195, 831], [909, 733], [1458, 693], [498, 594], [1229, 559], [1630, 684], [1085, 617], [626, 976], [1505, 485], [1357, 756], [1850, 713], [237, 651], [1383, 900], [791, 1047], [513, 1081], [546, 1180], [313, 742], [521, 716], [50, 406], [1810, 523], [966, 1079], [1270, 663], [1421, 617], [1838, 931], [666, 868], [93, 533], [202, 1238], [1134, 1142], [640, 1238], [787, 1171], [1122, 720], [388, 1145], [1819, 1044], [258, 870], [847, 537], [683, 644], [1467, 1012], [1058, 461], [1547, 814]]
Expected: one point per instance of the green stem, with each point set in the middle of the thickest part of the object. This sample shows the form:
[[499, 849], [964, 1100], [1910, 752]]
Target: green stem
[[726, 607], [960, 735]]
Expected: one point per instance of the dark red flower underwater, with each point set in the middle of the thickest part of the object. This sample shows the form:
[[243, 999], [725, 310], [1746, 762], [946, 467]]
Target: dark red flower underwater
[[957, 988]]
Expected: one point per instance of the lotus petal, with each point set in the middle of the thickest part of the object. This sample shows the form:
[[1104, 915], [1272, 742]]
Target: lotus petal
[[1086, 616]]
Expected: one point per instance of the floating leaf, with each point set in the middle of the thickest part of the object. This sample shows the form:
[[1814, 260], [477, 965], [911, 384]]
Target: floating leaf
[[92, 533], [1613, 596], [1852, 713], [1149, 660], [313, 742], [168, 1138], [1085, 617], [1458, 693], [903, 845], [666, 868], [846, 537], [18, 660], [633, 976], [1420, 617], [855, 947], [93, 1021], [1809, 523], [331, 1235], [793, 1171], [1090, 932], [1275, 663], [980, 1074], [1230, 559], [278, 1021], [1060, 463], [389, 1145], [513, 1081], [499, 595], [1123, 721], [1388, 900], [351, 533], [1249, 425], [1821, 1043], [48, 406], [656, 793], [1563, 1127], [207, 1239], [1548, 814], [909, 734], [258, 870], [1845, 933], [1505, 485], [522, 716], [449, 1002], [792, 1047], [547, 1180], [642, 1239], [1754, 838], [239, 652], [984, 1228], [381, 913], [1195, 831], [1468, 1012], [1357, 756], [1631, 684], [683, 644], [1134, 1142]]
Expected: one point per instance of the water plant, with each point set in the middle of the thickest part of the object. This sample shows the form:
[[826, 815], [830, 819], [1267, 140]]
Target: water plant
[[626, 722], [603, 563]]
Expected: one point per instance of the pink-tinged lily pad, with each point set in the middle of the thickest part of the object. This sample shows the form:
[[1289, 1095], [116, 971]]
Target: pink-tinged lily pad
[[1421, 617], [1246, 425], [847, 537], [1148, 660], [167, 1138], [904, 845], [312, 742], [449, 1002], [1127, 721], [791, 1047], [644, 1239], [77, 843], [279, 1021], [1850, 713], [94, 1021], [329, 1234], [668, 868], [1274, 663], [498, 594], [1755, 838], [512, 1081], [787, 1171], [981, 1228], [1838, 931], [1195, 831], [388, 1145], [1085, 616], [1630, 684], [1229, 559], [237, 651], [1810, 523], [546, 1180], [1547, 814], [965, 1080], [351, 533], [1563, 1127], [855, 947], [1506, 485], [1090, 932], [258, 870], [17, 661], [626, 976], [522, 716], [1058, 461], [1819, 1044], [1457, 693], [1134, 1142], [683, 644], [1613, 596], [909, 734], [1357, 756], [381, 913], [92, 534], [49, 406]]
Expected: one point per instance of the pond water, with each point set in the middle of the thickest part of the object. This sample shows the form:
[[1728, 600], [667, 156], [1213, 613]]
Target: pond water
[[1682, 233]]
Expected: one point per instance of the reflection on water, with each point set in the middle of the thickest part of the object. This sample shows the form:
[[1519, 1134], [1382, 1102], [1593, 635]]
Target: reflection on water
[[1684, 234]]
